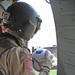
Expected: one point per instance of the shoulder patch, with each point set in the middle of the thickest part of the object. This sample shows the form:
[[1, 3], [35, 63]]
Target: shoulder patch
[[27, 64]]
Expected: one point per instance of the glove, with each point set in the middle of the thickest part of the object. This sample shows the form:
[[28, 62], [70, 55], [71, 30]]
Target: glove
[[42, 61], [44, 72]]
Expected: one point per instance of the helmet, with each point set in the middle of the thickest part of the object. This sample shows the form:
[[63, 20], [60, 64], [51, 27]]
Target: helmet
[[23, 20]]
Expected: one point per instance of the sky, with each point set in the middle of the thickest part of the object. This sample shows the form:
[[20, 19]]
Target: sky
[[46, 36]]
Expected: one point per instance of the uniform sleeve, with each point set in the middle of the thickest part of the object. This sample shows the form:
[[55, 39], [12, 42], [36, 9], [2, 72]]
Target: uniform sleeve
[[15, 62]]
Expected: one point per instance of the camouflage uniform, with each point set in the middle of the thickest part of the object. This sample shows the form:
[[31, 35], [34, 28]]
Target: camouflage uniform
[[14, 60]]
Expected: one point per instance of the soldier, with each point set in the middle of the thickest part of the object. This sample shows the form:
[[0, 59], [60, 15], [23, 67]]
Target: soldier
[[20, 23]]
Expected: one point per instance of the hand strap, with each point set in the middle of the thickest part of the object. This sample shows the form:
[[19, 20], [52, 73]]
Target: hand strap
[[44, 72]]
